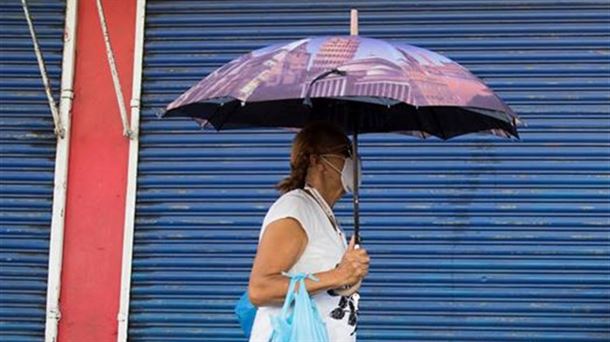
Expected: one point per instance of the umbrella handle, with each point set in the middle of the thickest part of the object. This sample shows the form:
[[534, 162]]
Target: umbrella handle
[[349, 289]]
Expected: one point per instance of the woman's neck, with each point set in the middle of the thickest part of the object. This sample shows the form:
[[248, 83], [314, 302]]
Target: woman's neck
[[327, 194]]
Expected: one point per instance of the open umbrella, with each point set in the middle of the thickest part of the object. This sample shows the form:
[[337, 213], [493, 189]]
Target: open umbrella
[[360, 84]]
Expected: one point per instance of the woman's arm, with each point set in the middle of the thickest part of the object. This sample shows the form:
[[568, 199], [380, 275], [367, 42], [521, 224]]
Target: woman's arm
[[282, 244]]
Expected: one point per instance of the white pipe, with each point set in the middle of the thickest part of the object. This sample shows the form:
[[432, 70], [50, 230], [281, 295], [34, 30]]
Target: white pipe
[[113, 70], [59, 129], [60, 185], [132, 173]]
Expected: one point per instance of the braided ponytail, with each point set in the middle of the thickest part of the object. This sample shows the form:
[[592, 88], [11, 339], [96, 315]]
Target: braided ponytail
[[298, 174], [315, 138]]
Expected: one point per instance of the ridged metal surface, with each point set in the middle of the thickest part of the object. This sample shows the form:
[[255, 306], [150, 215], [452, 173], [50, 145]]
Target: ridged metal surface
[[27, 159], [474, 239]]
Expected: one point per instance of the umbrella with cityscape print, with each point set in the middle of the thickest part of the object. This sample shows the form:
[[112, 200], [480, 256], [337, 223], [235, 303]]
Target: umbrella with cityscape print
[[360, 84]]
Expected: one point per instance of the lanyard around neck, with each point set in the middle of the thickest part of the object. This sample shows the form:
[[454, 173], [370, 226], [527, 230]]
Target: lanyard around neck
[[325, 207]]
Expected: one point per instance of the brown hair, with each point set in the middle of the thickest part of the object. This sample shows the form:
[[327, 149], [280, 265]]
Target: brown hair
[[315, 138]]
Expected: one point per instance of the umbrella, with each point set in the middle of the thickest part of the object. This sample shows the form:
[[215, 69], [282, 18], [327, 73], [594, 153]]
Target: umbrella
[[358, 83]]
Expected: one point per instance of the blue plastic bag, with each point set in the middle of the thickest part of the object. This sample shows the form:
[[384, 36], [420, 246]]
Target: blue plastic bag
[[299, 319], [246, 312]]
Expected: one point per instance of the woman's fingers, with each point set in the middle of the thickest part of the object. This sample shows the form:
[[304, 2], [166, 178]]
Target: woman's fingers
[[363, 256], [358, 256], [352, 243], [358, 252], [355, 263]]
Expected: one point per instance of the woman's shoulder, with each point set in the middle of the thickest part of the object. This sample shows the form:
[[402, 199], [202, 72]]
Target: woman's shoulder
[[296, 196], [294, 200], [292, 204]]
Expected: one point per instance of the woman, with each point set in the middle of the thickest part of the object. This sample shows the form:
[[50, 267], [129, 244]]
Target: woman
[[300, 234]]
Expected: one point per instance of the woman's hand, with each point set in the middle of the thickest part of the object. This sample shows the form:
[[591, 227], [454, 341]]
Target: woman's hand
[[354, 265]]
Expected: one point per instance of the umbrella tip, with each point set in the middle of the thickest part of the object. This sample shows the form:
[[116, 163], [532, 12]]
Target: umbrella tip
[[353, 28], [160, 113]]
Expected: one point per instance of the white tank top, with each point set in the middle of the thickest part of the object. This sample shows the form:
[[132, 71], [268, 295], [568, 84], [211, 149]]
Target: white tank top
[[324, 250]]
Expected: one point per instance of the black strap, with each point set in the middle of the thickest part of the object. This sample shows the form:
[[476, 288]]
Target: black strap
[[332, 222]]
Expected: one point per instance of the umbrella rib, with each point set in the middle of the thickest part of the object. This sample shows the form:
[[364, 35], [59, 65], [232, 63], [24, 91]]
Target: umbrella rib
[[216, 111], [438, 123], [229, 114], [419, 122], [307, 99]]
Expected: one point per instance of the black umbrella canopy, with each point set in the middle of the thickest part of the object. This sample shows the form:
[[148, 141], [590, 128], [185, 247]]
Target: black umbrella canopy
[[444, 122]]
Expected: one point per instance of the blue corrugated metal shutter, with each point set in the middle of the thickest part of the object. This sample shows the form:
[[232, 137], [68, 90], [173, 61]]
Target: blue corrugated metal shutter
[[27, 154], [475, 239]]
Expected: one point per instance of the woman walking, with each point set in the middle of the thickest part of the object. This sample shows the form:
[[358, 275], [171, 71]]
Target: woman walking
[[301, 234]]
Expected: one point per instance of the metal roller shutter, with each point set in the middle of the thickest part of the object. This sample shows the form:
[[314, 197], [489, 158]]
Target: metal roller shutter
[[27, 162], [475, 239]]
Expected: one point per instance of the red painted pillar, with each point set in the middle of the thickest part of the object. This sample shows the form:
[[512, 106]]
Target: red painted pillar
[[90, 279]]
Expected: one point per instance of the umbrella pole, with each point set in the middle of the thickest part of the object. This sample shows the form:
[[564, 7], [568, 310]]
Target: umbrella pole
[[356, 196], [349, 290]]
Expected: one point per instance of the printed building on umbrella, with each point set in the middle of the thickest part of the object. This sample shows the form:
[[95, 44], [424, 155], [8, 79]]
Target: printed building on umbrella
[[151, 237], [333, 52]]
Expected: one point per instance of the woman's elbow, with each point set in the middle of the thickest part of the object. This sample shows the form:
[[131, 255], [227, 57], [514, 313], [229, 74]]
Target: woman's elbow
[[256, 294]]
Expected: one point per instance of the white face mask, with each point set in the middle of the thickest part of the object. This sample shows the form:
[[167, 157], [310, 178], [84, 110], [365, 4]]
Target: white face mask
[[347, 174]]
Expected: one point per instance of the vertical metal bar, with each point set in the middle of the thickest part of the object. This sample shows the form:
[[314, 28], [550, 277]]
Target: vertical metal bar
[[60, 182], [132, 174]]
